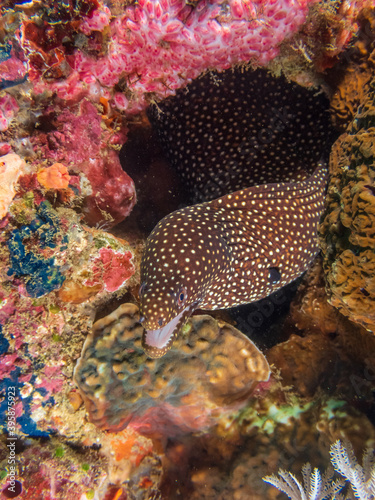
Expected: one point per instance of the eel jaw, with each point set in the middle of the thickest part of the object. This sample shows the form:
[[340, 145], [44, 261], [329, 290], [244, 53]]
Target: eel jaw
[[156, 343]]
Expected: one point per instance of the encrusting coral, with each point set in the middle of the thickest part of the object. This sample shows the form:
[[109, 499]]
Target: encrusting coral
[[348, 227], [213, 367], [352, 79], [49, 265], [36, 265], [52, 471], [133, 53], [77, 143]]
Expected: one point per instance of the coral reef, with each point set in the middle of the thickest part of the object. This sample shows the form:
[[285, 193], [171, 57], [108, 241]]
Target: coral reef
[[322, 344], [347, 230], [133, 464], [351, 80], [49, 265], [213, 368], [291, 356], [72, 151], [101, 263], [53, 471], [41, 274], [72, 77], [155, 47], [126, 465], [132, 54], [79, 142], [275, 427], [329, 29], [262, 439], [46, 251]]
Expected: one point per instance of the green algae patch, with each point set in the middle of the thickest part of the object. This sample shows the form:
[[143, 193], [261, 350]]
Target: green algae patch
[[59, 452], [267, 419]]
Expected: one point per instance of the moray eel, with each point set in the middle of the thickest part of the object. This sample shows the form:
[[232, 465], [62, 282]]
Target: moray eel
[[233, 130], [252, 135], [233, 250]]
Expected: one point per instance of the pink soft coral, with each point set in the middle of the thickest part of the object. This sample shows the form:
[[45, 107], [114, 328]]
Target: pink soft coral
[[158, 46], [8, 109]]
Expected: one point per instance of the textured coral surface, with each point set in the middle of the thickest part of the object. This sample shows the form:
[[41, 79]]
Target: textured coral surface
[[353, 78], [158, 46], [348, 227], [39, 292], [77, 474], [78, 140], [212, 367]]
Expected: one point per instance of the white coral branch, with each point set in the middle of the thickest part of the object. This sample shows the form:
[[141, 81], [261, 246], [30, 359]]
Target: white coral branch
[[316, 487], [288, 484], [361, 479]]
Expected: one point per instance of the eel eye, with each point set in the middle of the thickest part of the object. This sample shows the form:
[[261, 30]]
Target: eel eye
[[182, 296], [274, 275], [160, 323]]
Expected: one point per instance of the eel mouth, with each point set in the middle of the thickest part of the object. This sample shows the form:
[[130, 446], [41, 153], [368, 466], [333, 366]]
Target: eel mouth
[[157, 342]]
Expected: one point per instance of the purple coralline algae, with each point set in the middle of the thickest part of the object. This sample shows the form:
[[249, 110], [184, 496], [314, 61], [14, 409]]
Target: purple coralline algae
[[78, 140]]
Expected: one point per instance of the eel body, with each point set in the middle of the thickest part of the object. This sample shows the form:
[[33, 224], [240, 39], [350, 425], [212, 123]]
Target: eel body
[[229, 251], [239, 128]]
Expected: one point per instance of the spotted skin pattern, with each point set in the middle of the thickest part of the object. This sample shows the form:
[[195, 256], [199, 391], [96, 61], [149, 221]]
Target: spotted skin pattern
[[230, 251], [233, 130]]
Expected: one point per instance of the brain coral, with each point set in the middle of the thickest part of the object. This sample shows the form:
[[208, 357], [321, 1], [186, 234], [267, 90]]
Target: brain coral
[[348, 227], [213, 367]]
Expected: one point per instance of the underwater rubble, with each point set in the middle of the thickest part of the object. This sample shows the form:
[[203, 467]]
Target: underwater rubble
[[84, 413]]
